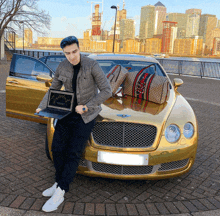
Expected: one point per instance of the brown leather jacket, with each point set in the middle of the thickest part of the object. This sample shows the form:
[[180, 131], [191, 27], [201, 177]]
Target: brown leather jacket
[[90, 78]]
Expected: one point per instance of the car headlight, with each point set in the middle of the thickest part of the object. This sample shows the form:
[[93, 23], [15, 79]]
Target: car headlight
[[188, 130], [172, 133]]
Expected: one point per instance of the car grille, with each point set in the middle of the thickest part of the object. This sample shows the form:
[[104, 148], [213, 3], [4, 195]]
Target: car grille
[[121, 170], [124, 135], [173, 165]]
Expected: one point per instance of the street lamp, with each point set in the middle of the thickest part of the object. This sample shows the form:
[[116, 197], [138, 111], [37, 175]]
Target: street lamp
[[23, 34], [114, 7]]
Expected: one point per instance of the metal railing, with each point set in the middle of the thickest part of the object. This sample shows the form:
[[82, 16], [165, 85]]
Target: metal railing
[[38, 53], [191, 68]]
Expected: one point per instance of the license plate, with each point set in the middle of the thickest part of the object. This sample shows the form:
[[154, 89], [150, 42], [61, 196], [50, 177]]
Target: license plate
[[123, 159]]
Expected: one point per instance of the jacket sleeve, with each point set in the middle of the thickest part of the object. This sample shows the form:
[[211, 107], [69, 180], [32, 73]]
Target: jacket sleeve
[[102, 84], [56, 84]]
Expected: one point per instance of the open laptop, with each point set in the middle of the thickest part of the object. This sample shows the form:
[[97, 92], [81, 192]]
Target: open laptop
[[59, 104]]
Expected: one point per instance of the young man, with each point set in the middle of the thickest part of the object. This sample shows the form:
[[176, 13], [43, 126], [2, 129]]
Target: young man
[[83, 76]]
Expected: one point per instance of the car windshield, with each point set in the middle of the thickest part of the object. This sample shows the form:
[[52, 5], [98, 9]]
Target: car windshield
[[131, 66]]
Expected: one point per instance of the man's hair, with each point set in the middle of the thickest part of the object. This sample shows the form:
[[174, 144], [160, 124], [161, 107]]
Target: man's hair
[[69, 41]]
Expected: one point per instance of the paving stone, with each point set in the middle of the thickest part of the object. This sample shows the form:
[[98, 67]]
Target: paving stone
[[131, 209], [8, 200], [78, 208], [181, 207], [142, 210], [215, 202], [89, 209], [199, 205], [111, 209], [171, 207], [99, 209], [17, 202], [121, 209], [68, 208], [208, 204], [152, 208]]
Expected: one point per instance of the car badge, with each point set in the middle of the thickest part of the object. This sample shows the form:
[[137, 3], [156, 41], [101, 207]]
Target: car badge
[[123, 115]]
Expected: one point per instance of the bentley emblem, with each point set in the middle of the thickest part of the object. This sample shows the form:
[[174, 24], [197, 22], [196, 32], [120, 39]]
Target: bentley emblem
[[123, 115]]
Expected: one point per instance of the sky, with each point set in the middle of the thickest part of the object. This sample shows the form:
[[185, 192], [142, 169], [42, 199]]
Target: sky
[[72, 17]]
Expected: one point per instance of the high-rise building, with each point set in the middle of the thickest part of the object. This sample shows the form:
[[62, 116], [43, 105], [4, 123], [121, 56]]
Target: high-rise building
[[96, 24], [207, 23], [168, 37], [28, 36], [160, 16], [194, 11], [194, 19], [127, 29], [216, 46], [214, 37], [218, 25], [182, 23], [147, 22]]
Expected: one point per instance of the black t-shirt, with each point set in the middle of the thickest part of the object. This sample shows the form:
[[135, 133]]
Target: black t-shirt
[[76, 71]]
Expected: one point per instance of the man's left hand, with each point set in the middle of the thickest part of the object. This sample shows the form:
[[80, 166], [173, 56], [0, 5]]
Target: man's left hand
[[80, 109]]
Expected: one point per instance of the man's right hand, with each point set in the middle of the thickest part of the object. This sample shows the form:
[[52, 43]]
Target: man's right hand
[[38, 110]]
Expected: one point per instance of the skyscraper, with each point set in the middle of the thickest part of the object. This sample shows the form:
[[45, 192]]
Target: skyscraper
[[127, 29], [207, 23], [182, 23], [194, 19], [169, 35], [147, 22], [160, 16], [28, 36]]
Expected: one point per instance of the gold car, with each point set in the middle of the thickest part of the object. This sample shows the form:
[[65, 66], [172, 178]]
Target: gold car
[[132, 139]]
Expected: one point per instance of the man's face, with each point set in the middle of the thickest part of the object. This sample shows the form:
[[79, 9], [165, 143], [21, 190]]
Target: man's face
[[72, 53]]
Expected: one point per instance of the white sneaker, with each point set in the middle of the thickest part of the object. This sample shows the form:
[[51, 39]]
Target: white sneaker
[[50, 191], [53, 203]]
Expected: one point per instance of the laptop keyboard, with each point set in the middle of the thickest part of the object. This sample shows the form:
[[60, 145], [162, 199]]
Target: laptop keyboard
[[58, 112]]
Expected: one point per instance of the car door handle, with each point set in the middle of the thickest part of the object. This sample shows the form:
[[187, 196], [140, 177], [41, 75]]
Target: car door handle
[[15, 82]]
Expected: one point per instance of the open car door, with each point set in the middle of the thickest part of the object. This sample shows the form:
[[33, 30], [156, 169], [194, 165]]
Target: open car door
[[24, 89]]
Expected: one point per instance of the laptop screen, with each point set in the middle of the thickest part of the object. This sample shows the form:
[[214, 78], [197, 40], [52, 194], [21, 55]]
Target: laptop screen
[[60, 100]]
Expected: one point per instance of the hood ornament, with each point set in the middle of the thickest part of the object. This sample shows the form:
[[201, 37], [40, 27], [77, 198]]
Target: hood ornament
[[123, 115]]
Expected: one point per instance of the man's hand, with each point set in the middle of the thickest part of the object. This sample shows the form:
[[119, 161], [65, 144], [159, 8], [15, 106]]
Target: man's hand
[[80, 109], [38, 110]]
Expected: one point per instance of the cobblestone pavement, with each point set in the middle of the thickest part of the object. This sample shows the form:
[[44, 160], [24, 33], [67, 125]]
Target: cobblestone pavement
[[25, 171]]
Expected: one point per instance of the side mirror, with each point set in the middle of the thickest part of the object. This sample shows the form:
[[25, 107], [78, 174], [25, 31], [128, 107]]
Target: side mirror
[[45, 78], [177, 82]]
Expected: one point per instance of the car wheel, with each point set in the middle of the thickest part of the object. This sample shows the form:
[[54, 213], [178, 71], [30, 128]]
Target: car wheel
[[47, 148]]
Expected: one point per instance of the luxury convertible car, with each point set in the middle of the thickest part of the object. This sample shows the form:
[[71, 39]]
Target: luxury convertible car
[[132, 139]]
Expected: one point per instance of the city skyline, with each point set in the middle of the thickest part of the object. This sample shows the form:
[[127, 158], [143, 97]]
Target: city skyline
[[72, 18]]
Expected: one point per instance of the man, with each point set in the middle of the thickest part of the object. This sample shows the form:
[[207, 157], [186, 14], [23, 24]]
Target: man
[[83, 76]]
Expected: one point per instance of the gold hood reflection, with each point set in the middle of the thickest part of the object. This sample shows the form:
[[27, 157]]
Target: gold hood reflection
[[135, 104]]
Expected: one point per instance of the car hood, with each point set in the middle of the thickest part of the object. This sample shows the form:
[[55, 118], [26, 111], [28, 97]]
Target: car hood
[[130, 109]]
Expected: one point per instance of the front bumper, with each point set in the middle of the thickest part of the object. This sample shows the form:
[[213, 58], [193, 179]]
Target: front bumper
[[167, 161]]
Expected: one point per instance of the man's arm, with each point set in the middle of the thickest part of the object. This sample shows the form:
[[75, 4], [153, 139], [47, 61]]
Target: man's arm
[[102, 84]]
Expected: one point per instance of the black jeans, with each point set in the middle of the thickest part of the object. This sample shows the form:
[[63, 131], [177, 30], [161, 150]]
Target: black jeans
[[69, 141]]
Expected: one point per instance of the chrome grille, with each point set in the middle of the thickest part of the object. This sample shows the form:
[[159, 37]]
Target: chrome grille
[[124, 135], [121, 170], [173, 165]]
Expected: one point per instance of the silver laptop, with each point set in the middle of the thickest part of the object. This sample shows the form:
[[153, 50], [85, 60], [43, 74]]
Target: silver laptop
[[59, 104]]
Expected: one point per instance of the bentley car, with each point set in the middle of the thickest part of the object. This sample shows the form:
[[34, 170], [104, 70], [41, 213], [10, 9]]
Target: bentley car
[[132, 138]]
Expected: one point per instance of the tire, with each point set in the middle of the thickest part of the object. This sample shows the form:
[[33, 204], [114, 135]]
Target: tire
[[47, 149]]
